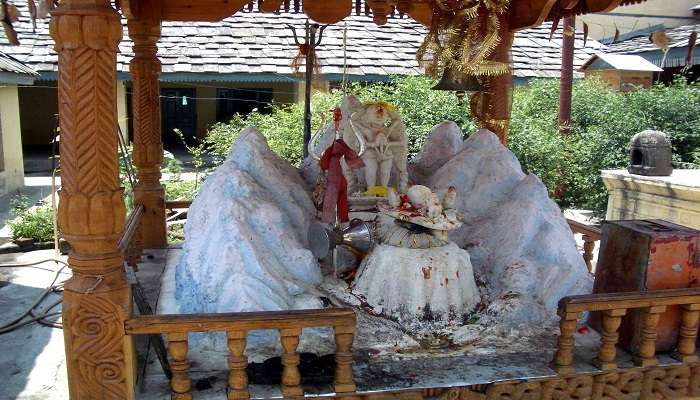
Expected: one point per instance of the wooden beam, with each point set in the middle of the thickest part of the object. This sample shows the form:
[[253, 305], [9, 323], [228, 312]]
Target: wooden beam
[[200, 10], [594, 6], [245, 321], [523, 14]]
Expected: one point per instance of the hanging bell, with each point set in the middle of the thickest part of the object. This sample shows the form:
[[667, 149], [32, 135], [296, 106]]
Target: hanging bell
[[458, 82]]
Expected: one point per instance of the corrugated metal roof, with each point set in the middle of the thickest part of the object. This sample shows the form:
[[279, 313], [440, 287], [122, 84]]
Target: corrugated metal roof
[[10, 64], [622, 62], [254, 45]]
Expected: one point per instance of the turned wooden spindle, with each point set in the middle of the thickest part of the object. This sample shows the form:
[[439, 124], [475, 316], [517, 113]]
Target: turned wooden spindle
[[180, 382], [688, 333], [564, 358], [237, 363], [608, 340], [344, 336], [588, 247], [646, 354], [291, 378]]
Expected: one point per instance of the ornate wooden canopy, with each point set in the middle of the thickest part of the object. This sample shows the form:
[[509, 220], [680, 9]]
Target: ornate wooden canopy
[[522, 14], [97, 299]]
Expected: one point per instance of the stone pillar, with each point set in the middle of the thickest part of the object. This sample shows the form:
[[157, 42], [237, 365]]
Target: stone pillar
[[148, 148], [91, 213]]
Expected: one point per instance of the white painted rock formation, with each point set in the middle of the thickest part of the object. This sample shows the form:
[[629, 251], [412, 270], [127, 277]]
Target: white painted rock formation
[[245, 239], [443, 143], [518, 240], [419, 288]]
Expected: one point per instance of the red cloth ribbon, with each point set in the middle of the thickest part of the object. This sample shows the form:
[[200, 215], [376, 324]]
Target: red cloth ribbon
[[337, 186]]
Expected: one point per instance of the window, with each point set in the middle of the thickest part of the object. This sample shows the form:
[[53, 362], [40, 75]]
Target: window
[[241, 101]]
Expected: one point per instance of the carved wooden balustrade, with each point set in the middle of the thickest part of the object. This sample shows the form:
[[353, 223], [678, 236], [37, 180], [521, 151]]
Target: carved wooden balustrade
[[590, 234], [613, 307], [237, 325]]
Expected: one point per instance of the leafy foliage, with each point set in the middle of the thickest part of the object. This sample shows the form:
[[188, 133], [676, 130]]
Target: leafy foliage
[[420, 106], [602, 124], [35, 223]]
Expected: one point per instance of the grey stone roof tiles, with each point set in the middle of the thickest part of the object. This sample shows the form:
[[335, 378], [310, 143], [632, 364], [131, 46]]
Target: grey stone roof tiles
[[258, 43]]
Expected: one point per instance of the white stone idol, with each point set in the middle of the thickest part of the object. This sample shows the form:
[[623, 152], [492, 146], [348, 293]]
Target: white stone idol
[[384, 134]]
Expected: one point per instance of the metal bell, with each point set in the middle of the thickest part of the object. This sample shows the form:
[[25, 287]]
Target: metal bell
[[458, 82], [322, 239]]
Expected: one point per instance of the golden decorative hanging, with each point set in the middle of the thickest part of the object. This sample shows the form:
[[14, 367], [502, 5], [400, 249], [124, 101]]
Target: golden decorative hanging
[[462, 36]]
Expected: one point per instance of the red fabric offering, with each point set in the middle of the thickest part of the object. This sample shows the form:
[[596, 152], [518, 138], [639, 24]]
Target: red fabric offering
[[337, 186]]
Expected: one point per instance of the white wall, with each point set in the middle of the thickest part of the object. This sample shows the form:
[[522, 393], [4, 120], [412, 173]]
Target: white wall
[[602, 26], [12, 174]]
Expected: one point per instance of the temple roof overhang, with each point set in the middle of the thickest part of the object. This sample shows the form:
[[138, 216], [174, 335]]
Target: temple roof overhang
[[522, 14]]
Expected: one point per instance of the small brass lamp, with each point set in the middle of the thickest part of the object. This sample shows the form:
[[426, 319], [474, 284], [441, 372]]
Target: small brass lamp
[[458, 82]]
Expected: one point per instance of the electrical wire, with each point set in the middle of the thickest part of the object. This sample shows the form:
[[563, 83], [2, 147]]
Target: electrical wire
[[35, 315]]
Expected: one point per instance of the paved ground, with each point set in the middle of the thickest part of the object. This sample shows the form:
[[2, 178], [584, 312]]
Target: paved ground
[[32, 362]]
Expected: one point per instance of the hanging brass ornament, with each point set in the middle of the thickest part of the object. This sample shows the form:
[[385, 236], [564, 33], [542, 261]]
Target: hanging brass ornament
[[458, 82]]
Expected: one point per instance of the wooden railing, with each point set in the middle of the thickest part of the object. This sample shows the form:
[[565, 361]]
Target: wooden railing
[[613, 307], [590, 235], [237, 325], [177, 210], [130, 245]]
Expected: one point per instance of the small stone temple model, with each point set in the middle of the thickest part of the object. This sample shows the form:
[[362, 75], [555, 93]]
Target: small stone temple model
[[415, 275], [650, 154], [383, 132]]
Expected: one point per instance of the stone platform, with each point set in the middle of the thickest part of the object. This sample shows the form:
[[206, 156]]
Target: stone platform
[[388, 367], [674, 198]]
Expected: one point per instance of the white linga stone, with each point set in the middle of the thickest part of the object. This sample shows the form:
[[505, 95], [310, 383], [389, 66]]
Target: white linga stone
[[419, 288]]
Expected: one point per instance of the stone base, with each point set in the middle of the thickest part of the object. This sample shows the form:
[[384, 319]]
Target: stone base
[[419, 288], [674, 198]]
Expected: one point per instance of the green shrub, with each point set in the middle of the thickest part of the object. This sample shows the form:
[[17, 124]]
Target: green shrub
[[35, 223], [602, 123], [181, 189]]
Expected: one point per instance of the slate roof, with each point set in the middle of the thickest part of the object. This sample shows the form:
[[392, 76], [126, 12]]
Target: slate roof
[[622, 62], [678, 38], [254, 46]]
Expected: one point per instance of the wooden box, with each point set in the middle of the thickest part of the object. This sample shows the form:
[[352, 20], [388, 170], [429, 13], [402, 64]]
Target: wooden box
[[641, 255]]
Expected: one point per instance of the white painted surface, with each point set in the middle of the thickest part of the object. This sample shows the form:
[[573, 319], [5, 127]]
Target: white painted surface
[[519, 242], [418, 287], [674, 198]]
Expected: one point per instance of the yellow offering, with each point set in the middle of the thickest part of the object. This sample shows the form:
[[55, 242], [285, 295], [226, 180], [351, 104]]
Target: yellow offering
[[377, 191]]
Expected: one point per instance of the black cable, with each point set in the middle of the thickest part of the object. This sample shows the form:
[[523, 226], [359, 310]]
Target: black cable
[[39, 317]]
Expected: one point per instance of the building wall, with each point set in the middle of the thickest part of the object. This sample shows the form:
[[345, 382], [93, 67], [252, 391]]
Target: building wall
[[206, 92], [11, 165], [602, 26], [39, 106]]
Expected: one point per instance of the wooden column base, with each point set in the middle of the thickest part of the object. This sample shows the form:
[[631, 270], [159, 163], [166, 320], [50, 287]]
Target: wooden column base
[[154, 231]]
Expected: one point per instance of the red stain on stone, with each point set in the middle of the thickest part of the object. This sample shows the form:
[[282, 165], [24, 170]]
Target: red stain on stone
[[426, 272], [447, 281], [457, 274]]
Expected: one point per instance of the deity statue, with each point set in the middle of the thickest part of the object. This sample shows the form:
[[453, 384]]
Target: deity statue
[[383, 132]]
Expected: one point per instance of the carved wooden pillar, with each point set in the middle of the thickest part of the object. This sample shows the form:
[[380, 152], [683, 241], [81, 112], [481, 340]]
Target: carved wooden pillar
[[148, 148], [91, 213]]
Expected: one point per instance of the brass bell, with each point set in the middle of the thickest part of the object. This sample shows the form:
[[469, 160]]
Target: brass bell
[[458, 82]]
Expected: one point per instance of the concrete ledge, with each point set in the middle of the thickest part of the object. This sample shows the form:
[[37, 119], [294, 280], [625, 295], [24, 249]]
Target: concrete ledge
[[674, 198]]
